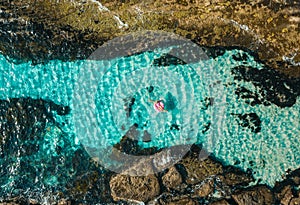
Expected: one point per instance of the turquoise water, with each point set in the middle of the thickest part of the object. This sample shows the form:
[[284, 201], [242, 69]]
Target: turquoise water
[[269, 152]]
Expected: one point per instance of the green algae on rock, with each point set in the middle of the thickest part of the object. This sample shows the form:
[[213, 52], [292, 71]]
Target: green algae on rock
[[73, 29]]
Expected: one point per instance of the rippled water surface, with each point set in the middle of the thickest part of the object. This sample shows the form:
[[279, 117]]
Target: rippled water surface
[[203, 107]]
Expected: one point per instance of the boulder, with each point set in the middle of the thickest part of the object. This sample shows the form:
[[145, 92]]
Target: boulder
[[139, 188], [295, 201], [199, 169], [170, 199], [221, 202], [236, 177], [285, 195], [205, 189], [254, 196], [172, 178]]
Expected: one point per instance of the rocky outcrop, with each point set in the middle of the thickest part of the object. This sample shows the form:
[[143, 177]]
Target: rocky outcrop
[[255, 196], [42, 30], [168, 199], [199, 169], [221, 202], [172, 179], [221, 185], [39, 154], [205, 189], [191, 180], [286, 191], [139, 188]]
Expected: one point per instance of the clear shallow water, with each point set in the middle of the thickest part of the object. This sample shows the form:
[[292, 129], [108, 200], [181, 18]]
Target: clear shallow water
[[269, 153]]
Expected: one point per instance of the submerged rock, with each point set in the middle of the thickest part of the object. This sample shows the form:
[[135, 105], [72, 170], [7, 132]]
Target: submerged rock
[[273, 87], [25, 119]]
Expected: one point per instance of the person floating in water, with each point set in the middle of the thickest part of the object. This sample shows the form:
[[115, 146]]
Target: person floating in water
[[158, 105]]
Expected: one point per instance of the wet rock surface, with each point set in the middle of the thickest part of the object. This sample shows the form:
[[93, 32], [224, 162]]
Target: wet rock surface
[[43, 30], [38, 31], [172, 179], [140, 188], [50, 168], [221, 185], [256, 195], [229, 185], [221, 202], [24, 119], [198, 169]]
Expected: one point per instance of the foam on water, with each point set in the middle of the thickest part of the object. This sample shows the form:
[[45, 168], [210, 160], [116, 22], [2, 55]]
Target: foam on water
[[269, 153]]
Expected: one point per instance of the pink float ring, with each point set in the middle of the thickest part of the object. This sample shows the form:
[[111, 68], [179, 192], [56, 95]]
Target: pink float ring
[[159, 106]]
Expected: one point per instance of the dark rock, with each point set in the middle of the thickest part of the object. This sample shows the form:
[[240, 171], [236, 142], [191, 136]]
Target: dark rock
[[296, 200], [251, 121], [274, 87], [128, 103], [254, 196], [40, 38], [150, 89], [294, 176], [206, 127], [215, 51], [239, 57], [285, 195], [25, 119], [130, 146], [167, 60], [292, 179], [286, 191], [235, 177], [250, 97], [174, 126]]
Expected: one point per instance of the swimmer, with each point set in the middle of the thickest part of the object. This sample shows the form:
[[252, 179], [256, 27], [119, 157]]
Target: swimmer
[[158, 105]]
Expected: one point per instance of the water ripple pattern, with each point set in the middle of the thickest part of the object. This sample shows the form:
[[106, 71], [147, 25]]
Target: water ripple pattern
[[268, 151], [122, 91]]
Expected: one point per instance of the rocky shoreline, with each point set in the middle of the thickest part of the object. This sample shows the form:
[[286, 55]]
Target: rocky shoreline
[[192, 180], [38, 31]]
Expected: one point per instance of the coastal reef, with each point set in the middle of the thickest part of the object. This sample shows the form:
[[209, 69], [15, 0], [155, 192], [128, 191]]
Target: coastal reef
[[41, 30]]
